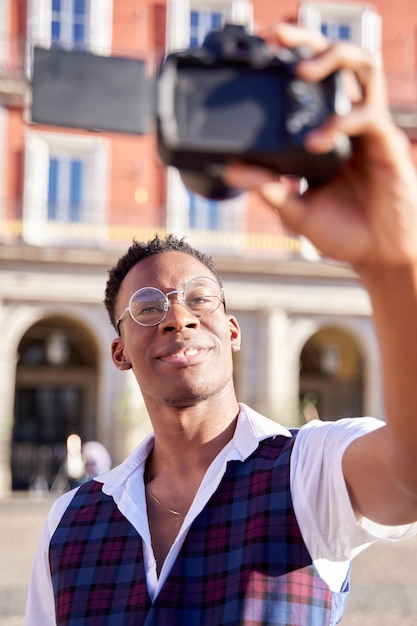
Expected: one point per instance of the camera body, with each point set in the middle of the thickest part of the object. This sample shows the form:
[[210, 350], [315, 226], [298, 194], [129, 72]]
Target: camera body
[[235, 98]]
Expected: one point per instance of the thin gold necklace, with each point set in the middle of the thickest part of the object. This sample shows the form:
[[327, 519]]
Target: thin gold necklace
[[157, 500]]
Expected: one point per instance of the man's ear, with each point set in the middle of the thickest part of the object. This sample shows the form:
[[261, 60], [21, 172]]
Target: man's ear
[[118, 355], [234, 334]]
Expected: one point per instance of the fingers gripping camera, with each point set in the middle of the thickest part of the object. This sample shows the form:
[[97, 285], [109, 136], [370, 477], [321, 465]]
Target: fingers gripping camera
[[235, 98]]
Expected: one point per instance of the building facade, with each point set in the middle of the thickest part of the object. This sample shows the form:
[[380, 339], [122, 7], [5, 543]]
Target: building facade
[[74, 194]]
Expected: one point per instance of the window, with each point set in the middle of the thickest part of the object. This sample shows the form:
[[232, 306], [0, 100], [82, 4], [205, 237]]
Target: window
[[203, 213], [64, 188], [336, 31], [188, 212], [356, 22], [71, 24], [188, 23], [208, 215], [202, 22]]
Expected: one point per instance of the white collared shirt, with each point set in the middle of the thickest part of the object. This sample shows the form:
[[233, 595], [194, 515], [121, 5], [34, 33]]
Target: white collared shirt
[[331, 532]]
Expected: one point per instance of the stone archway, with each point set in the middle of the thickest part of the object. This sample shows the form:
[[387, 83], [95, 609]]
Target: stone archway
[[55, 396], [331, 376]]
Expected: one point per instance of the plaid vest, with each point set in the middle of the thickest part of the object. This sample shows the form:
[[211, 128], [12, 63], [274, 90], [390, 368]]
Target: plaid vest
[[243, 561]]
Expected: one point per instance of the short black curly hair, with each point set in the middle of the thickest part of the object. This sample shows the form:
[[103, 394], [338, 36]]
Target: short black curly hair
[[140, 250]]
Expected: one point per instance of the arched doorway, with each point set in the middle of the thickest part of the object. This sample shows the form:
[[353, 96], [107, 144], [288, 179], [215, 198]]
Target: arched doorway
[[331, 376], [56, 395]]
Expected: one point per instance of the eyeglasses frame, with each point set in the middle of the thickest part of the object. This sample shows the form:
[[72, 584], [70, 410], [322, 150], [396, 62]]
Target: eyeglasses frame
[[168, 302]]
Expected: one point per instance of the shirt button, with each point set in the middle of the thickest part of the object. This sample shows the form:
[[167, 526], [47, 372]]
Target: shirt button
[[151, 562]]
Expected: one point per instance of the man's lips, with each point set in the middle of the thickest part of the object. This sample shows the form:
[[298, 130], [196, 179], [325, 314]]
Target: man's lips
[[184, 355]]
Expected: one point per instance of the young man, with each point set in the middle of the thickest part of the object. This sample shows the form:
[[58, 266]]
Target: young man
[[222, 516]]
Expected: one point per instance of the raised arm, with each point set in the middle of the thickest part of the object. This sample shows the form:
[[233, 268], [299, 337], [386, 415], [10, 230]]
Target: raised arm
[[366, 216]]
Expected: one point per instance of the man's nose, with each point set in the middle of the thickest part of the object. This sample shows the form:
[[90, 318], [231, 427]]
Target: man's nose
[[178, 316]]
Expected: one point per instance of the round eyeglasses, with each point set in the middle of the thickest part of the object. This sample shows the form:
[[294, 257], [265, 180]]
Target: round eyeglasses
[[149, 306]]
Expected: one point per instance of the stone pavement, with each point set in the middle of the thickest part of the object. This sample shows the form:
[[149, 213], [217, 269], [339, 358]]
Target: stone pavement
[[384, 577]]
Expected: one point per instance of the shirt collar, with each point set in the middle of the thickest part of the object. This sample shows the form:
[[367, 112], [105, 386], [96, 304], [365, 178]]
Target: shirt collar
[[251, 428]]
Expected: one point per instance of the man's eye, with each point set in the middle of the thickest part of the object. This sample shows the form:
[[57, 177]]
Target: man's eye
[[148, 309], [199, 300]]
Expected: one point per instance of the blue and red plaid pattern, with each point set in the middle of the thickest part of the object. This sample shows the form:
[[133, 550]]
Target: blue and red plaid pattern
[[242, 563]]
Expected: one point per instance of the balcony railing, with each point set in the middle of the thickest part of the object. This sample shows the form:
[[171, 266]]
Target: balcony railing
[[86, 236]]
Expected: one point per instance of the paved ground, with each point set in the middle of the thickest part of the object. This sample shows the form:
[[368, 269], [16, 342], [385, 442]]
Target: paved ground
[[384, 578]]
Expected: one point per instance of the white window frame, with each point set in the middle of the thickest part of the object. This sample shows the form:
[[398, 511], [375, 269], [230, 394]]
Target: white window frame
[[100, 21], [178, 37], [364, 20], [37, 229], [178, 17]]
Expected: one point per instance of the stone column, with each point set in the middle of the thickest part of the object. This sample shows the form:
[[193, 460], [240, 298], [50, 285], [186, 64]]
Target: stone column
[[279, 389], [7, 393]]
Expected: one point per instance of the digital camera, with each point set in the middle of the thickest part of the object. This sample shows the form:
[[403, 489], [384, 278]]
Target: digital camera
[[235, 98]]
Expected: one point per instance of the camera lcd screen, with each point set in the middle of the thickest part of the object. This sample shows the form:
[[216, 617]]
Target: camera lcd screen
[[229, 109]]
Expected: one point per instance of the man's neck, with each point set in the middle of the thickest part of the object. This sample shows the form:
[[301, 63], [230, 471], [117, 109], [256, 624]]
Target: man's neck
[[188, 439]]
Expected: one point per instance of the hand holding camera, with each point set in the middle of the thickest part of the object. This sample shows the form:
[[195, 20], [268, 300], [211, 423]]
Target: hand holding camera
[[235, 98], [366, 215]]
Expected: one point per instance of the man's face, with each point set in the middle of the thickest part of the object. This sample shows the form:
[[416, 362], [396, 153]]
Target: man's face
[[184, 359]]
